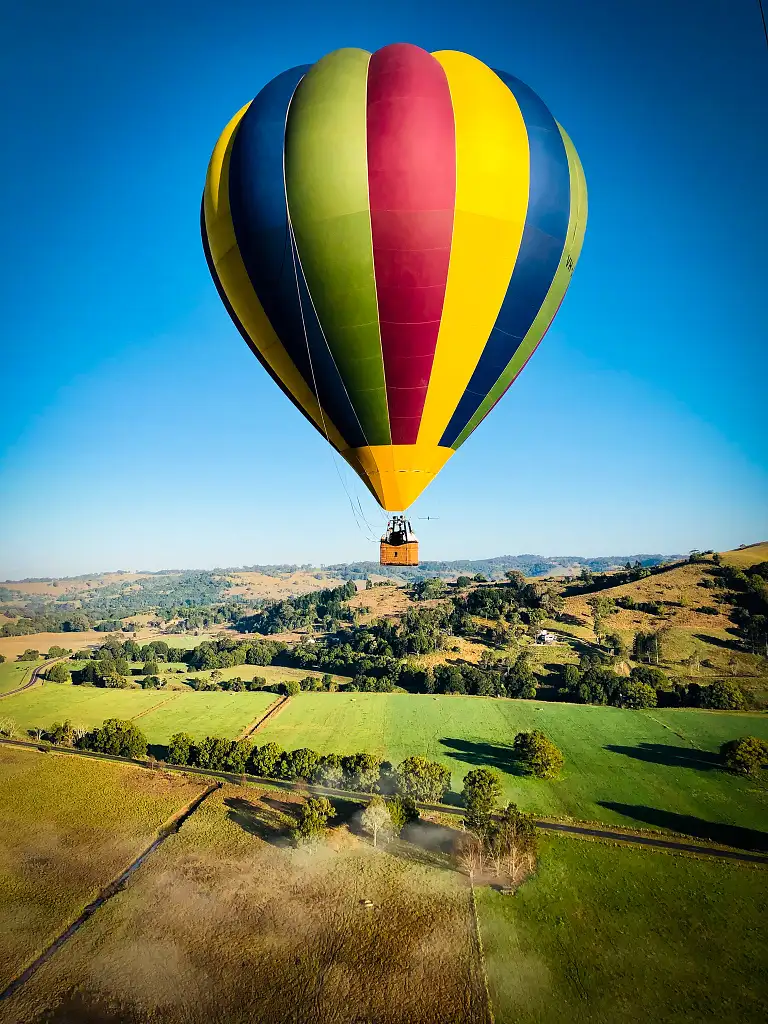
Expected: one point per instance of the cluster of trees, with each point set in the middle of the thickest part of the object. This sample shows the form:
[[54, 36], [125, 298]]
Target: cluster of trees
[[749, 596], [326, 606], [46, 621], [594, 681], [507, 841]]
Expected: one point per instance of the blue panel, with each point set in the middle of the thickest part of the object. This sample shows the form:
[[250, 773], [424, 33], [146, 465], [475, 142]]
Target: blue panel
[[260, 220], [546, 226]]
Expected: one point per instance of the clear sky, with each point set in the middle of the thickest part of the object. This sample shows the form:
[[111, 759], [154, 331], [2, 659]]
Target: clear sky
[[139, 432]]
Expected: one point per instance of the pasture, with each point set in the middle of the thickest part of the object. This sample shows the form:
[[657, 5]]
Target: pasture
[[68, 825], [606, 934], [13, 674], [225, 922], [201, 714], [650, 769]]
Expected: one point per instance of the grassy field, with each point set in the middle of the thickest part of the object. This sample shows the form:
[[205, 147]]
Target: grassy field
[[13, 675], [608, 934], [67, 827], [225, 923], [201, 714], [656, 768]]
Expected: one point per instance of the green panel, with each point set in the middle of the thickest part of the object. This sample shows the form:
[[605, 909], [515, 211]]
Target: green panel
[[576, 226], [326, 181]]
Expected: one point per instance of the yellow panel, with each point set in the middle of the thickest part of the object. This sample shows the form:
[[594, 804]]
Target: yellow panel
[[492, 184], [397, 474], [238, 288]]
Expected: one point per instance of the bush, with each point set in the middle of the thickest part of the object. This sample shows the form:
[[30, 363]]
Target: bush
[[538, 754], [28, 655], [121, 738], [423, 780], [745, 756], [724, 695], [292, 687]]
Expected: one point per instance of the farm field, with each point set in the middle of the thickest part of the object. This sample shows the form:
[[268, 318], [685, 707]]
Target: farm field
[[621, 767], [201, 714], [606, 934], [67, 827], [225, 922], [14, 674]]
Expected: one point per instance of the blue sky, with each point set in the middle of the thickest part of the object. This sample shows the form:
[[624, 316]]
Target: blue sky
[[138, 431]]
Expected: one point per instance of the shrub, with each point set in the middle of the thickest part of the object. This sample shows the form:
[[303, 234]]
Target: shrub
[[538, 754], [745, 756]]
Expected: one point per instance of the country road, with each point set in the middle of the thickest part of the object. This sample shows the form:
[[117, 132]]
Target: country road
[[583, 830], [32, 679]]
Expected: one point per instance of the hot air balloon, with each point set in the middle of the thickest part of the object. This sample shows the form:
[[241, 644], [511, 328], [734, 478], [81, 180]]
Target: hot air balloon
[[392, 234]]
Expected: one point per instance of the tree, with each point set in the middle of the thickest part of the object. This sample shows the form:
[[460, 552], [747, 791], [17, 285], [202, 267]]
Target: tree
[[512, 843], [151, 682], [745, 756], [376, 819], [292, 687], [481, 793], [57, 652], [298, 764], [312, 824], [116, 737], [616, 645], [601, 607], [724, 695], [361, 771], [179, 748], [329, 771], [651, 675], [264, 759], [423, 780], [538, 754], [58, 673], [635, 694], [462, 582], [28, 655], [402, 811], [151, 668], [237, 758]]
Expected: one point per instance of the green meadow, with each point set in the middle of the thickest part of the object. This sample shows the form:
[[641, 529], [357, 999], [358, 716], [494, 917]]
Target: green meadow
[[606, 934], [650, 769]]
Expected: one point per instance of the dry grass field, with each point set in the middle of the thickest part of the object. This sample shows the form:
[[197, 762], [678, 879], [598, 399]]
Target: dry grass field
[[751, 554], [68, 826], [226, 924], [275, 588]]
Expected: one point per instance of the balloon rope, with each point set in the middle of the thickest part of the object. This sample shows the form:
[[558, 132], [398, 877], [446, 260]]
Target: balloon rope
[[762, 15]]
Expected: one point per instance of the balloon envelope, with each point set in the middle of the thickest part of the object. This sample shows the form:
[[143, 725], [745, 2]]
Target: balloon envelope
[[392, 234]]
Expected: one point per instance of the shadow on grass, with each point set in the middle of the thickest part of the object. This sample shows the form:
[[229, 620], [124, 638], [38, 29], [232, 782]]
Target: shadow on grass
[[687, 824], [487, 755], [269, 819], [727, 644], [677, 757], [158, 750]]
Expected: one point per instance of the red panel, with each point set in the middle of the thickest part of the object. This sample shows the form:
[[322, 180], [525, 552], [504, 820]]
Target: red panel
[[412, 188]]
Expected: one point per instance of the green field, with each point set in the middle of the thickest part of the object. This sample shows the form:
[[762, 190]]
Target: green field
[[68, 825], [660, 772], [201, 714], [204, 714], [607, 934], [13, 674]]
